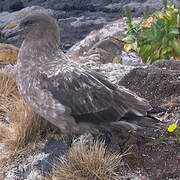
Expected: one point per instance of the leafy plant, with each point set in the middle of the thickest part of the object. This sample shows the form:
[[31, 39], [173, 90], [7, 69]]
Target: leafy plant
[[175, 129], [157, 36], [177, 134]]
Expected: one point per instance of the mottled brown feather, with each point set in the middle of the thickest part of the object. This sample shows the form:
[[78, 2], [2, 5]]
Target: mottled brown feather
[[69, 95]]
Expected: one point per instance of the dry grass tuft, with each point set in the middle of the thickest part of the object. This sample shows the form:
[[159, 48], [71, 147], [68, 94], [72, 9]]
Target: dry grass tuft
[[83, 163], [24, 125], [7, 85], [8, 92], [21, 130], [8, 54]]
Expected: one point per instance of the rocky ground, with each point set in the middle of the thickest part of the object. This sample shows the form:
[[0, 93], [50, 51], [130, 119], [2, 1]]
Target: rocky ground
[[91, 34], [76, 18]]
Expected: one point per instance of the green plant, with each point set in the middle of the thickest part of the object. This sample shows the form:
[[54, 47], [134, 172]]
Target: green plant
[[175, 129], [177, 134], [157, 141], [155, 37], [132, 29]]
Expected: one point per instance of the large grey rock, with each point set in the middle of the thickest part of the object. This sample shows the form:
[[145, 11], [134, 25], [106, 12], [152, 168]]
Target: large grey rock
[[90, 5], [77, 18], [9, 23], [11, 5], [158, 83], [74, 26], [104, 46], [77, 27], [84, 49], [33, 166], [113, 7], [138, 8]]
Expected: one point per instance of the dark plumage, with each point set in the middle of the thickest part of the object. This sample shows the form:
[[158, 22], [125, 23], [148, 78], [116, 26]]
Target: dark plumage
[[72, 97]]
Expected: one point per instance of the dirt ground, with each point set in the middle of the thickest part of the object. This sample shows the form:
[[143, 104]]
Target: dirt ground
[[158, 156]]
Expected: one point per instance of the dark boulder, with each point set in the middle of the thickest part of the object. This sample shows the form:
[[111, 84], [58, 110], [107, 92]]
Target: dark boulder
[[74, 26], [69, 5], [157, 83], [139, 6], [11, 5]]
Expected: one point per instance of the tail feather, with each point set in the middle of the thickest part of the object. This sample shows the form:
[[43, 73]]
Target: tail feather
[[142, 121], [133, 103]]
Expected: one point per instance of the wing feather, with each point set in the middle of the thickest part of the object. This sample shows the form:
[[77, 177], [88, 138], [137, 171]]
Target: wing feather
[[89, 94]]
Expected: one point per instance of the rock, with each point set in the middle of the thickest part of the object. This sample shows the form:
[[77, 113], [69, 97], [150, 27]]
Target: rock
[[31, 167], [9, 22], [104, 46], [11, 5], [109, 50], [55, 149], [104, 43], [8, 53], [109, 6], [76, 19], [1, 37], [114, 72], [74, 25], [76, 28], [8, 69], [157, 83], [138, 8], [68, 5], [24, 170], [167, 64], [115, 7], [135, 7], [131, 58]]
